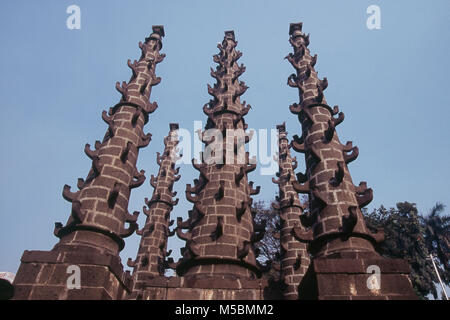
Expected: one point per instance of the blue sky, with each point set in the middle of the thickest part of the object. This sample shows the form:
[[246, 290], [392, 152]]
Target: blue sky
[[391, 84]]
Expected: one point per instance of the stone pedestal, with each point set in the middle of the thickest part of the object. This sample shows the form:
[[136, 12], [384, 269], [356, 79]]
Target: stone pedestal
[[203, 288], [352, 278], [43, 275]]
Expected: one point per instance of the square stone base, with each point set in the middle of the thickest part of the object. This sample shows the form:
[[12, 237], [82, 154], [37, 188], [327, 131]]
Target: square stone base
[[43, 275], [204, 288], [352, 278]]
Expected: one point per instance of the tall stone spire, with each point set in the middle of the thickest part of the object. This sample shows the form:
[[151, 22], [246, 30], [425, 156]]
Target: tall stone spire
[[334, 201], [102, 202], [338, 237], [295, 258], [99, 218], [151, 258], [220, 229]]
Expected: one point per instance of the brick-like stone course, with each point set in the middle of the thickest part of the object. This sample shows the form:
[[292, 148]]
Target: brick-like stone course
[[220, 226], [151, 260], [295, 258], [334, 207], [335, 227], [99, 218]]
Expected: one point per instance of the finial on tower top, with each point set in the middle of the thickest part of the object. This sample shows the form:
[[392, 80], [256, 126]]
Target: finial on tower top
[[295, 29], [159, 30], [282, 127], [157, 34], [229, 35]]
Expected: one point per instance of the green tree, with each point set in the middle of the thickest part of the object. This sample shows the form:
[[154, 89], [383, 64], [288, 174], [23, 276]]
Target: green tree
[[405, 239], [437, 238], [269, 246]]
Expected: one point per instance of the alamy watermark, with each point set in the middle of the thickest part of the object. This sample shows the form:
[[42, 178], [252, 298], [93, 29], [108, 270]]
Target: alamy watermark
[[219, 147], [374, 20], [73, 22], [374, 281], [74, 280]]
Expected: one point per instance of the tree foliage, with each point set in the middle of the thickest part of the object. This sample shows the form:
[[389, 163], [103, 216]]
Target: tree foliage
[[437, 238], [269, 247], [404, 238]]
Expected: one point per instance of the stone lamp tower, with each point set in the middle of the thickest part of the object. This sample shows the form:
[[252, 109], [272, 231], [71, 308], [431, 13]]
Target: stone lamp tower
[[90, 241], [342, 247]]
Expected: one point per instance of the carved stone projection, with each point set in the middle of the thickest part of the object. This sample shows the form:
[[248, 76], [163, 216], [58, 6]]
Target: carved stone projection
[[294, 255], [220, 229], [99, 219], [338, 237], [151, 259]]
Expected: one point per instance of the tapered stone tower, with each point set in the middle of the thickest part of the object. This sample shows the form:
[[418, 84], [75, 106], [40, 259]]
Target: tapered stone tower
[[294, 255], [91, 239], [220, 230], [342, 247], [151, 261]]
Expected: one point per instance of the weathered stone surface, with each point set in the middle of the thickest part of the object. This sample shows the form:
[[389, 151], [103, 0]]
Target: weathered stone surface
[[348, 278], [221, 225], [43, 275], [341, 245], [295, 260], [99, 219], [151, 260]]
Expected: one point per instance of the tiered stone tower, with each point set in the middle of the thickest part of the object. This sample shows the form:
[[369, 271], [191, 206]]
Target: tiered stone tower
[[219, 251], [294, 255], [99, 219], [343, 248], [219, 259], [151, 261]]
